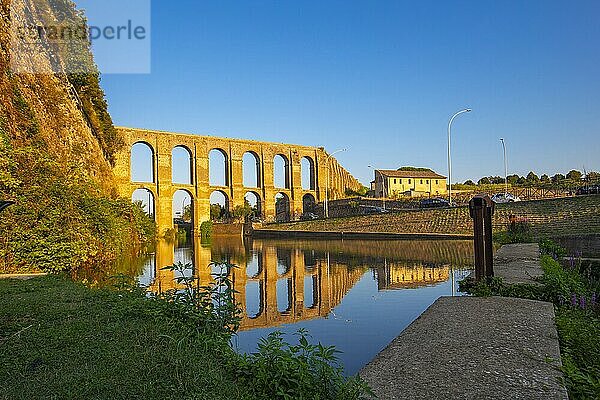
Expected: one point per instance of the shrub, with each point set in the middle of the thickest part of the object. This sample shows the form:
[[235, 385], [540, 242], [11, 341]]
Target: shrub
[[518, 231], [304, 371], [206, 230], [210, 308], [278, 370], [580, 351], [61, 220], [552, 249]]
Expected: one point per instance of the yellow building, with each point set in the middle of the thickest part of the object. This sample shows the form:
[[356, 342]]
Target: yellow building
[[412, 183]]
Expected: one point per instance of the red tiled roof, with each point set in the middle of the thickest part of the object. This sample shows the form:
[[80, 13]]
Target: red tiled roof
[[411, 174]]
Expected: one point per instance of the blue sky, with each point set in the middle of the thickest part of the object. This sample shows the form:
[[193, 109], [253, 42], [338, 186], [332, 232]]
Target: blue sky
[[380, 78]]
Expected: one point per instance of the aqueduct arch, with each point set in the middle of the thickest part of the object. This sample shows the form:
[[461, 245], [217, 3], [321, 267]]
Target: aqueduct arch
[[162, 145]]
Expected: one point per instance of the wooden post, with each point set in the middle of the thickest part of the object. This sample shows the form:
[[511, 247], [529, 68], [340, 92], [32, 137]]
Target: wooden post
[[476, 211], [481, 209], [489, 246]]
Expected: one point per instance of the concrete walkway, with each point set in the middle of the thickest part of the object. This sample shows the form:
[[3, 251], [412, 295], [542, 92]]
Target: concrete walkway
[[476, 348], [518, 263]]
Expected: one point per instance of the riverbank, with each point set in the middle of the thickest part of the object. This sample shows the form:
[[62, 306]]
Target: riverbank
[[476, 347], [548, 218], [504, 342], [472, 348], [60, 339], [22, 276], [289, 234]]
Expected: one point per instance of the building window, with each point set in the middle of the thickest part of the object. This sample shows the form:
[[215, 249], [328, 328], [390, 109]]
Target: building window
[[427, 181], [421, 181], [437, 182], [409, 181], [401, 181], [394, 181]]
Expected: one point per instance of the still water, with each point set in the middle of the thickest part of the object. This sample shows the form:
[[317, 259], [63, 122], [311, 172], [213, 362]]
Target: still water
[[355, 294]]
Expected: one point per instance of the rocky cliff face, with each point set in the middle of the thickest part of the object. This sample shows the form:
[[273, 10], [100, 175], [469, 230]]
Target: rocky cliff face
[[45, 103], [56, 146]]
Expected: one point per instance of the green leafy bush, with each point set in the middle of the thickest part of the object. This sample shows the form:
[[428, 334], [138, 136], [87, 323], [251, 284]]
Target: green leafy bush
[[496, 287], [278, 370], [580, 351], [61, 221], [206, 230], [518, 231], [552, 249], [210, 308]]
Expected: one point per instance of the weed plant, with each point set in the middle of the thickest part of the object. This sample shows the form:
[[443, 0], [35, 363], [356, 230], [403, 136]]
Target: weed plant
[[278, 370]]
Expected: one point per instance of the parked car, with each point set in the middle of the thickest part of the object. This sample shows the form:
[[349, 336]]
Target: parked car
[[368, 210], [434, 203], [584, 190], [308, 216], [501, 198], [382, 210]]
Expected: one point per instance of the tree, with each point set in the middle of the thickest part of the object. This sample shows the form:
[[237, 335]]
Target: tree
[[521, 181], [558, 178], [512, 179], [496, 180], [484, 181], [186, 215], [532, 178], [574, 175], [593, 176], [469, 183], [241, 212], [545, 178], [357, 193], [216, 212]]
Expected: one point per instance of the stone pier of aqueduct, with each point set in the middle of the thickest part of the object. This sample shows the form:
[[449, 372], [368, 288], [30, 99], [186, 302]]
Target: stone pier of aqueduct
[[162, 187]]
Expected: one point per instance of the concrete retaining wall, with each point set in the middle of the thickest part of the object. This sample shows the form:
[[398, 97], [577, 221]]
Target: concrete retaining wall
[[228, 229], [553, 217]]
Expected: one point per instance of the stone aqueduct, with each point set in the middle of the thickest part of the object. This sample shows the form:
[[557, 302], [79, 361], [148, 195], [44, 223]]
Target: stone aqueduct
[[199, 188]]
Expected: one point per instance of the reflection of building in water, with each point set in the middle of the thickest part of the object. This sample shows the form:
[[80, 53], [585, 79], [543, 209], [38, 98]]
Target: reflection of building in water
[[458, 253], [280, 286], [278, 283], [274, 286], [396, 275]]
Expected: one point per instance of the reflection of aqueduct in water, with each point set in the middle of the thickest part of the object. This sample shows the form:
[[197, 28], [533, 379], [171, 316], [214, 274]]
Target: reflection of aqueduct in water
[[281, 282], [237, 156]]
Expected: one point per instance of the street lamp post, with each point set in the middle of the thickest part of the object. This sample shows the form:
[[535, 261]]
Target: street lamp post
[[505, 168], [183, 207], [450, 153], [150, 203], [327, 182], [383, 183]]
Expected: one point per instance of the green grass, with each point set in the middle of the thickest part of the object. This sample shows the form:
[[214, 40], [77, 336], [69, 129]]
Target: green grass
[[61, 340], [579, 333]]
